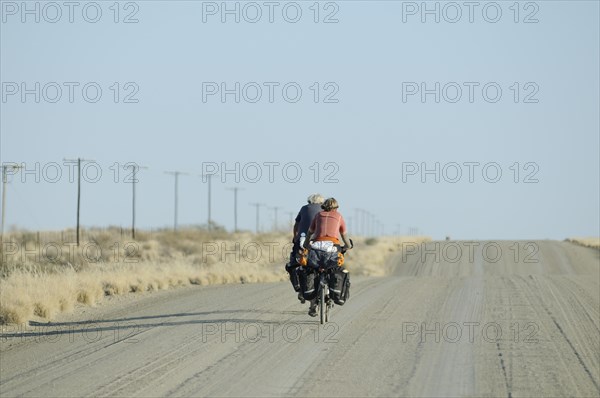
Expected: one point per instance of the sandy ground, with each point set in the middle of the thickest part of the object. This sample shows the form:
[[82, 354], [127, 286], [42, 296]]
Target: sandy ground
[[497, 319]]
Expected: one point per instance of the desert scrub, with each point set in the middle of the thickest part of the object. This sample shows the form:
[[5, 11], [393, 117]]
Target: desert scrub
[[587, 242], [370, 241], [54, 276], [105, 264]]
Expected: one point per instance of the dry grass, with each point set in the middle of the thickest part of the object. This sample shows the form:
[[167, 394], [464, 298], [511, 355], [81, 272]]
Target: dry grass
[[107, 264], [587, 242]]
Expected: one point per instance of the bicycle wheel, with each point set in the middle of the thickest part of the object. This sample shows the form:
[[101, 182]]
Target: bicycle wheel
[[322, 304]]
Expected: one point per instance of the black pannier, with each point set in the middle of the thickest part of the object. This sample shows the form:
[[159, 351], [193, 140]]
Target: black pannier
[[339, 286], [293, 271], [308, 283]]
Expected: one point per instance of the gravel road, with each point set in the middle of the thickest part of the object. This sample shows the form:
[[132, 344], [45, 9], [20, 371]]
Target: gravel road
[[481, 318]]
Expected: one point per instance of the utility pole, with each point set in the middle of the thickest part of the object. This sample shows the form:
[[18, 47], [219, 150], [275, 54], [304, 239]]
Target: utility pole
[[368, 223], [78, 195], [235, 192], [379, 228], [357, 218], [134, 169], [78, 160], [209, 176], [258, 205], [176, 174], [372, 225], [291, 214], [399, 229], [363, 223], [275, 209], [5, 169]]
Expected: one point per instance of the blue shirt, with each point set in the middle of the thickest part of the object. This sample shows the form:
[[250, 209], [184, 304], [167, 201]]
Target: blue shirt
[[305, 217]]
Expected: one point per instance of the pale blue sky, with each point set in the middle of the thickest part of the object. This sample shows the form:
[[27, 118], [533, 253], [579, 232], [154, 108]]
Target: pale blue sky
[[368, 133]]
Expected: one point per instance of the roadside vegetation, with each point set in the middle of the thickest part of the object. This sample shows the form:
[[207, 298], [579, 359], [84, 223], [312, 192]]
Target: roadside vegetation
[[41, 276], [587, 242]]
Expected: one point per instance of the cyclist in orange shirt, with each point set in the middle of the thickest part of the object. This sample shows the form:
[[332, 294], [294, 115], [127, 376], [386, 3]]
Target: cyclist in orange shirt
[[328, 225], [323, 235]]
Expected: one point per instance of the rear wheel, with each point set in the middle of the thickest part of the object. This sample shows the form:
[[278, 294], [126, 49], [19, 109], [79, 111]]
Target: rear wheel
[[322, 304]]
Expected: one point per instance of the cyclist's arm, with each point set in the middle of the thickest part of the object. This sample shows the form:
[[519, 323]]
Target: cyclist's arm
[[346, 241], [344, 233], [307, 240]]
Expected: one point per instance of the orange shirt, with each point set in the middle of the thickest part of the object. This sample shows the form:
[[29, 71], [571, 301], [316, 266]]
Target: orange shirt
[[328, 225]]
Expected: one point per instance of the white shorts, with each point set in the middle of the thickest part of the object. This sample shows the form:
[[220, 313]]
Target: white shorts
[[325, 245]]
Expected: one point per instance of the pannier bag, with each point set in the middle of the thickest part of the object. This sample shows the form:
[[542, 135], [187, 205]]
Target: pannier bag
[[339, 286], [308, 283], [346, 287], [293, 273]]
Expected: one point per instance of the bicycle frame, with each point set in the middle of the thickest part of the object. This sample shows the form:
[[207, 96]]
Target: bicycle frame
[[325, 304]]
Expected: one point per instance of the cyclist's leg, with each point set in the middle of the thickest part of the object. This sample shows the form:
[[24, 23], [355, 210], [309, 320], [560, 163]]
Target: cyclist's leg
[[312, 310]]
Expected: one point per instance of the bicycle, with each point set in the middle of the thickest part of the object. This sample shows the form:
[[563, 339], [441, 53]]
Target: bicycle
[[325, 303]]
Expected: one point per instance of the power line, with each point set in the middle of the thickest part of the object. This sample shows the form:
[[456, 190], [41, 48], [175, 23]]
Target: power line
[[235, 193], [5, 169], [370, 223], [134, 169], [275, 209], [176, 174], [209, 176], [398, 229], [258, 205], [363, 222], [291, 214], [357, 218], [78, 160]]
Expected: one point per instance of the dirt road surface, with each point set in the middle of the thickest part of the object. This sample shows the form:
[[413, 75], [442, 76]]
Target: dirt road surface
[[497, 319]]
